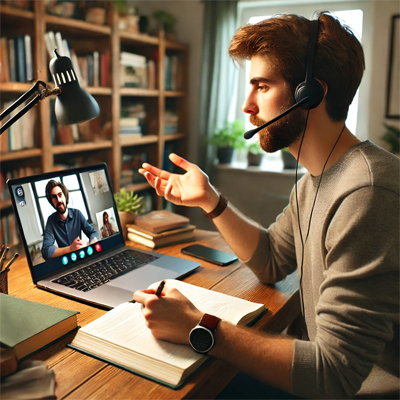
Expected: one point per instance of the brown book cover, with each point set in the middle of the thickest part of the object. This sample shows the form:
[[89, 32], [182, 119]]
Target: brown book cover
[[161, 220], [166, 238]]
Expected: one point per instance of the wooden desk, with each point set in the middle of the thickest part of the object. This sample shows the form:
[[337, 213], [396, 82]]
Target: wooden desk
[[81, 377]]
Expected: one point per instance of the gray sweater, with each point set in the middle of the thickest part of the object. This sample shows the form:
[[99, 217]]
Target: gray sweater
[[350, 279]]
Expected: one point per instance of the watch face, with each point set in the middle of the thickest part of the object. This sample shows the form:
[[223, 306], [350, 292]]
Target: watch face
[[201, 339]]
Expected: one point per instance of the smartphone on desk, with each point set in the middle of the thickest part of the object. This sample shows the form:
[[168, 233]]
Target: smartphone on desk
[[208, 254]]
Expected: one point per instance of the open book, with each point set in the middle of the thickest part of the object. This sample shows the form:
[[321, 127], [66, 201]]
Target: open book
[[121, 336]]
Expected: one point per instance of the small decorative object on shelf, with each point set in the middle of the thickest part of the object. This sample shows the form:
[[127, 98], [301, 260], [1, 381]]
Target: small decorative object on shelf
[[129, 206], [254, 154], [166, 21], [227, 139], [96, 12]]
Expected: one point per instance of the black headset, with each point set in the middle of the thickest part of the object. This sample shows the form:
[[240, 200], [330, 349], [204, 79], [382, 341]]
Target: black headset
[[309, 93], [310, 88]]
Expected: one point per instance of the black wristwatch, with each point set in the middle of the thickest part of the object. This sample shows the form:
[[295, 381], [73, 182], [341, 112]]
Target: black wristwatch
[[201, 337]]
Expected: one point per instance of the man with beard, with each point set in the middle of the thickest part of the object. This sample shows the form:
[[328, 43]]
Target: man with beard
[[341, 233], [65, 226]]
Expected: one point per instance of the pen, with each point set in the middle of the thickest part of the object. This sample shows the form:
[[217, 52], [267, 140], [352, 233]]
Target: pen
[[160, 288], [11, 261], [3, 255]]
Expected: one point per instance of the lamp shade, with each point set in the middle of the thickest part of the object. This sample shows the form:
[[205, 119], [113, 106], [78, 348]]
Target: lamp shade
[[73, 104]]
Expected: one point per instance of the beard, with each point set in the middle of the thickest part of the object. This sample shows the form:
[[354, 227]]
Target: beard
[[283, 132], [61, 208]]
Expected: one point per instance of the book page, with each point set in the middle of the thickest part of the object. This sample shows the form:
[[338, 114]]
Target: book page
[[125, 326], [228, 308]]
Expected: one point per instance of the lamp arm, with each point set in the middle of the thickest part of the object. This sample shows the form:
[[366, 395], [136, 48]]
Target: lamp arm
[[40, 96]]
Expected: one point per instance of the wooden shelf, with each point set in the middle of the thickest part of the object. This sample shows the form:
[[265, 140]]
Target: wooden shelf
[[175, 136], [137, 187], [81, 147], [15, 87], [77, 26], [10, 11], [138, 92], [99, 91], [147, 139], [20, 154], [138, 38]]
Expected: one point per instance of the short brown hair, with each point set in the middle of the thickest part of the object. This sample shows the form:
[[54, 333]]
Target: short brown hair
[[52, 184], [338, 60]]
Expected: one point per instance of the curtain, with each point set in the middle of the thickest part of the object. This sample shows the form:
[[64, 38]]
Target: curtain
[[218, 74]]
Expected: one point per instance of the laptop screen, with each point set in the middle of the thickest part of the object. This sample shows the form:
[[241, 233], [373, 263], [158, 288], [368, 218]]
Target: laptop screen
[[65, 217]]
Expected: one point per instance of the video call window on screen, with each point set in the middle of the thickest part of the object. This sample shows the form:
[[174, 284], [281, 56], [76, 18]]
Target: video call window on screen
[[89, 194]]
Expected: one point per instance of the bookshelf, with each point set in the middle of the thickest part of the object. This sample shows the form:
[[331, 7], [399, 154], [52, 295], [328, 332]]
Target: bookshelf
[[100, 140]]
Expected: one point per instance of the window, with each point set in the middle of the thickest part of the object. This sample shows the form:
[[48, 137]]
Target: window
[[349, 12]]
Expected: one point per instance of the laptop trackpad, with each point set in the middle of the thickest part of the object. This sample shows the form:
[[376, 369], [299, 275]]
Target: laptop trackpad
[[142, 277]]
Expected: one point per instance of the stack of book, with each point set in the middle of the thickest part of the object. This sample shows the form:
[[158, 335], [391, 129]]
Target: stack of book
[[160, 228]]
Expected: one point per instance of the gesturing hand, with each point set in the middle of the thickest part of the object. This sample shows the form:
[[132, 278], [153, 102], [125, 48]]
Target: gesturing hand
[[190, 189]]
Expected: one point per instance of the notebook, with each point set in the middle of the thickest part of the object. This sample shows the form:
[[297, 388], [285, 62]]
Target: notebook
[[100, 269]]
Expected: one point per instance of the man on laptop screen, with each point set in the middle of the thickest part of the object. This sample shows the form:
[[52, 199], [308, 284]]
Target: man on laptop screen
[[65, 225]]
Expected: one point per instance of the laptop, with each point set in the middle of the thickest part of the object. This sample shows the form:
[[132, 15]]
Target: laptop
[[100, 270]]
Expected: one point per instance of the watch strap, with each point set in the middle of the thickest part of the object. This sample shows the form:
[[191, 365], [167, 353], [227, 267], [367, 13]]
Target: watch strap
[[218, 210], [209, 321]]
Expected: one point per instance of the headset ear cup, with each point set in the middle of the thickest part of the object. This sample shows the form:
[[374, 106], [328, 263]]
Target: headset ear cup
[[313, 90]]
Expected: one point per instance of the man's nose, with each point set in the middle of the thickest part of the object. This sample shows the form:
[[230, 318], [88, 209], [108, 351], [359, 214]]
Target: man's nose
[[250, 106]]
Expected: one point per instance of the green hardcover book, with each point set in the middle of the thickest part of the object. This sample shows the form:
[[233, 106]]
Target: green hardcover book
[[28, 326]]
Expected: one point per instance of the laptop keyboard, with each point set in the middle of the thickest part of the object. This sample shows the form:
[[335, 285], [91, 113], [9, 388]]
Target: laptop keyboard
[[103, 271]]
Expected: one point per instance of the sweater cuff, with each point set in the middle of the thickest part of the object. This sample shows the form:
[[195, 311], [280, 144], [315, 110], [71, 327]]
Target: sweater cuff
[[304, 382]]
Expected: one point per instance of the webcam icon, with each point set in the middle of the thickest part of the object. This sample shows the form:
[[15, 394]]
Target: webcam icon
[[19, 191]]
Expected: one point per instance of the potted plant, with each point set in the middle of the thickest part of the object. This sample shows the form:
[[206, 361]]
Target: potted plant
[[392, 138], [227, 139], [254, 154], [289, 162], [96, 11], [129, 206], [167, 21], [128, 15]]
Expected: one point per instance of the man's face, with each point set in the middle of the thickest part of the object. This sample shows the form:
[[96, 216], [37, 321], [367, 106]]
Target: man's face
[[269, 96], [58, 199]]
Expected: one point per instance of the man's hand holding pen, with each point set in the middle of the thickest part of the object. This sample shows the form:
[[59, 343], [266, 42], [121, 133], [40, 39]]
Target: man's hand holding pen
[[170, 316]]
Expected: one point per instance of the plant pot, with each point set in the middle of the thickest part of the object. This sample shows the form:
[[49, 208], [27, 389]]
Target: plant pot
[[126, 218], [289, 162], [254, 159], [96, 15], [225, 154]]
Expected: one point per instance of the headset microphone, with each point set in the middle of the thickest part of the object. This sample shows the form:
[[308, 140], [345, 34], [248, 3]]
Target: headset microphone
[[251, 133]]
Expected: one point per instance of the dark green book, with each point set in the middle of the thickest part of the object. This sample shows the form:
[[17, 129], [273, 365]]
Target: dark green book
[[28, 326]]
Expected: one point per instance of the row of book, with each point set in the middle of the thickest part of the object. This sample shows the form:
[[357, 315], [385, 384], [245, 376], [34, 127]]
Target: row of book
[[13, 173], [137, 71], [129, 169], [173, 73], [133, 119], [8, 230], [21, 135], [16, 61], [91, 69]]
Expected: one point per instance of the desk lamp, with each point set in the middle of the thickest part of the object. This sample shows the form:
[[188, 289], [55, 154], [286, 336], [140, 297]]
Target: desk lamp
[[73, 104]]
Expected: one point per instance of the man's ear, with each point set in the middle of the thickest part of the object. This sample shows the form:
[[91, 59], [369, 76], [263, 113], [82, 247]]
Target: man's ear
[[324, 85]]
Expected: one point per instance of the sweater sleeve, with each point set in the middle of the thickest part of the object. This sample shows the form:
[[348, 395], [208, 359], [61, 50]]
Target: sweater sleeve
[[359, 297], [275, 256]]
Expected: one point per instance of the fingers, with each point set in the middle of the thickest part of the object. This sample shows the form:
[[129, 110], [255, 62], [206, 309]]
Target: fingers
[[180, 162], [141, 296], [154, 170]]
